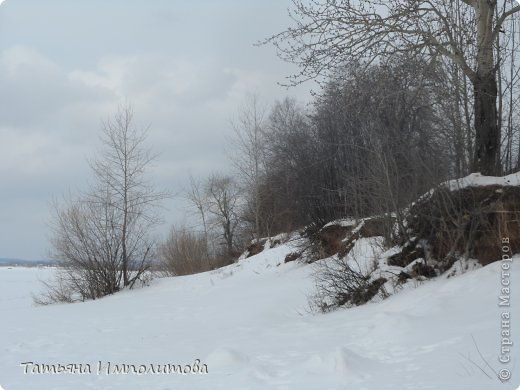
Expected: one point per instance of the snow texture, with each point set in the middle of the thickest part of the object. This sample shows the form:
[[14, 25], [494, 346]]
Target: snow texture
[[250, 325]]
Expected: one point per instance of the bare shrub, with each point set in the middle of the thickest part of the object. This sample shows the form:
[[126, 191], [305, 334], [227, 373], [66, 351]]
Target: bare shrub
[[57, 290], [184, 253], [339, 282]]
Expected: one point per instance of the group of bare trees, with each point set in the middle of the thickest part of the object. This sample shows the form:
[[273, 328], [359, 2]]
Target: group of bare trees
[[370, 143], [406, 101], [216, 201], [412, 93], [376, 138], [464, 33], [439, 102]]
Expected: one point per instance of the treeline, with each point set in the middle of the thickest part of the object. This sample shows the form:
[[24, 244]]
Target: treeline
[[371, 142]]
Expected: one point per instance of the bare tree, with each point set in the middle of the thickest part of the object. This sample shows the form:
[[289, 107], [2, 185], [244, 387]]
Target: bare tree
[[287, 175], [223, 201], [249, 154], [198, 198], [102, 238], [121, 168], [327, 33]]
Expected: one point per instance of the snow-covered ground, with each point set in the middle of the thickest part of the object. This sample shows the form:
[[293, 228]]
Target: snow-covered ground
[[250, 325]]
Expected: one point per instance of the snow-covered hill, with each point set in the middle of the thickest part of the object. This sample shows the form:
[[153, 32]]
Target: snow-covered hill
[[250, 325]]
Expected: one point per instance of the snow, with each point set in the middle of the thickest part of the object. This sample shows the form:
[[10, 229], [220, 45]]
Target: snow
[[474, 180], [345, 222], [250, 324], [364, 254], [477, 180]]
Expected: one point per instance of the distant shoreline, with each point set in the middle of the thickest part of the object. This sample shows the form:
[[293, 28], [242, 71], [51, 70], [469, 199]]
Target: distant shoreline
[[5, 262]]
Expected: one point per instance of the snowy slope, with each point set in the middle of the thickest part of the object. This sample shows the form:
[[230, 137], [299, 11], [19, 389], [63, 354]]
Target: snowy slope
[[249, 323]]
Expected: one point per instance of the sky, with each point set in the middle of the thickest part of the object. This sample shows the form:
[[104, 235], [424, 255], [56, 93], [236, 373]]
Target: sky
[[185, 66]]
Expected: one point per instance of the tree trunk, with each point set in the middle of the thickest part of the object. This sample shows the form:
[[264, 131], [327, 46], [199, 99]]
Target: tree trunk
[[487, 148], [487, 132], [124, 253], [228, 237]]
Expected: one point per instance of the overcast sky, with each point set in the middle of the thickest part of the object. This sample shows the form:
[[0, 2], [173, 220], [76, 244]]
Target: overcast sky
[[186, 66]]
